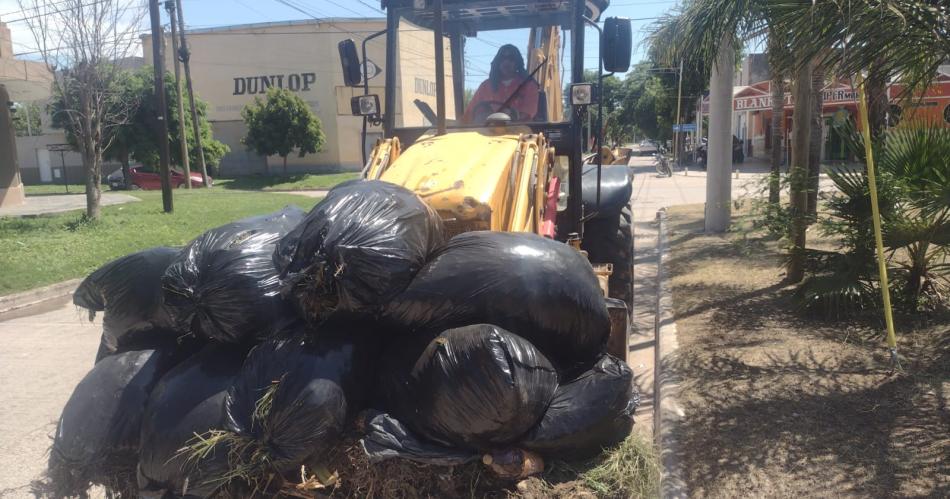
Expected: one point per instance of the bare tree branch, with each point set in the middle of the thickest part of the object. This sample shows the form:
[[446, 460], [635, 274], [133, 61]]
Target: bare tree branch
[[84, 43]]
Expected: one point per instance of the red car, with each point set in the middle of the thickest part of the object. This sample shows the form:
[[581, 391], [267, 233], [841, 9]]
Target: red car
[[148, 178]]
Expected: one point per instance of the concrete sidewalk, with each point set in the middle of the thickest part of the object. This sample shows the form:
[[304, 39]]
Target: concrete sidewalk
[[59, 203], [46, 351]]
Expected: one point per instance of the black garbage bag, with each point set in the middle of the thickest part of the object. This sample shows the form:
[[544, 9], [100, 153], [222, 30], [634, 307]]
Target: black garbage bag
[[589, 414], [224, 285], [188, 401], [129, 290], [97, 438], [387, 438], [357, 248], [477, 387], [180, 346], [537, 288], [293, 398]]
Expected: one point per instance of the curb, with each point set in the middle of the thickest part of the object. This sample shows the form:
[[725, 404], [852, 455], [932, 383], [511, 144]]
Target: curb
[[668, 411], [36, 296]]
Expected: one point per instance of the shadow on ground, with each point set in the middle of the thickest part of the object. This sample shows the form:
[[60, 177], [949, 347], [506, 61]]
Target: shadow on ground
[[780, 405]]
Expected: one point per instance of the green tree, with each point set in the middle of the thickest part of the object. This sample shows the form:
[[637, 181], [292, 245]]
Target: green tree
[[281, 123], [136, 138], [26, 119], [142, 141]]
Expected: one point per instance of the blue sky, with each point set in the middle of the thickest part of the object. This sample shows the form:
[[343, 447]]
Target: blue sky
[[209, 13]]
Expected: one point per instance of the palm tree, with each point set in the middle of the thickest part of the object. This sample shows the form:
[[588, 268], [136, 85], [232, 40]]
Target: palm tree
[[801, 139], [817, 134], [906, 39], [910, 38], [775, 47]]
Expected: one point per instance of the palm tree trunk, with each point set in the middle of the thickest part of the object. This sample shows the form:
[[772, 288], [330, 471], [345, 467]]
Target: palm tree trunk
[[876, 89], [814, 150], [778, 135], [776, 49], [801, 137], [285, 166]]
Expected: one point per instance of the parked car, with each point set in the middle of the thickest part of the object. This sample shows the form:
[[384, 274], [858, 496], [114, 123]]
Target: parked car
[[738, 154], [646, 147], [148, 178]]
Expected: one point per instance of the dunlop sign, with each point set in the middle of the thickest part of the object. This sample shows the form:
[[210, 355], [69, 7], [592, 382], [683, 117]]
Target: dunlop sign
[[297, 82]]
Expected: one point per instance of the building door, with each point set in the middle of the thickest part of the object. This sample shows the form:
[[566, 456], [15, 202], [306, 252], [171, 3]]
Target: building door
[[46, 170], [836, 149]]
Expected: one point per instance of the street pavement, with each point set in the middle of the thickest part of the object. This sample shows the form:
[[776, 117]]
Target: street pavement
[[44, 205], [46, 352]]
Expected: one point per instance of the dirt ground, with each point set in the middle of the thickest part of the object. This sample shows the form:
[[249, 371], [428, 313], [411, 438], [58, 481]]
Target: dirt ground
[[781, 405]]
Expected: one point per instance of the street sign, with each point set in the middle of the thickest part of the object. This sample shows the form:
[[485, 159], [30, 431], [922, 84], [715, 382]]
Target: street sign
[[686, 127]]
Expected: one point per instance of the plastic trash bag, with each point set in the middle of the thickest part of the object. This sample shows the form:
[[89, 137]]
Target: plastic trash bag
[[224, 285], [188, 401], [181, 347], [537, 288], [97, 437], [386, 438], [129, 290], [476, 387], [591, 413], [293, 398], [357, 248]]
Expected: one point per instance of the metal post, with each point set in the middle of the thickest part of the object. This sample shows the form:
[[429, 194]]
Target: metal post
[[182, 139], [657, 323], [185, 55], [676, 131], [457, 47], [575, 200], [365, 78], [392, 45], [439, 68], [158, 37]]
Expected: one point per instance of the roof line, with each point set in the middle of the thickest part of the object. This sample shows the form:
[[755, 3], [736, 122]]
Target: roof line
[[301, 22]]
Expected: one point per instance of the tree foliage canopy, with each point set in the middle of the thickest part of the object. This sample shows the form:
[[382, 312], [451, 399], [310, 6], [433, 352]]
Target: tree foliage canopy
[[280, 124], [136, 139]]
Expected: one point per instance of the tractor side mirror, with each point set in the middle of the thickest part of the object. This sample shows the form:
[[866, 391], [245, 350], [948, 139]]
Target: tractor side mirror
[[617, 44], [352, 72]]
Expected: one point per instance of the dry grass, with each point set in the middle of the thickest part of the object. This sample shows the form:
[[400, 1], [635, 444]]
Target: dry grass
[[249, 461], [63, 479], [780, 404], [628, 471]]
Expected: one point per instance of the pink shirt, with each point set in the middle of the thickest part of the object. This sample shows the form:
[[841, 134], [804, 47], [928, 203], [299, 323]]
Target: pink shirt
[[526, 102]]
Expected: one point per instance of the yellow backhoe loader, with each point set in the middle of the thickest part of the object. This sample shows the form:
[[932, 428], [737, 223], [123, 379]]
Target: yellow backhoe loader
[[505, 164]]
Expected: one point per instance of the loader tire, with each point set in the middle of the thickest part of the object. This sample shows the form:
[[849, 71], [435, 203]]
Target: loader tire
[[611, 241]]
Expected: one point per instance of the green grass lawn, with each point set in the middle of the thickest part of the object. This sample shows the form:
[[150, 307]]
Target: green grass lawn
[[54, 189], [299, 182], [39, 251]]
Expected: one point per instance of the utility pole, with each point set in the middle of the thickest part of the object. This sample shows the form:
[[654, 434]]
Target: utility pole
[[158, 37], [182, 139], [676, 131], [185, 55]]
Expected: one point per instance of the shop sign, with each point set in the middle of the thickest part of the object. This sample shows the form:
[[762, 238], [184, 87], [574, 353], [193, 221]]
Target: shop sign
[[840, 95], [296, 82]]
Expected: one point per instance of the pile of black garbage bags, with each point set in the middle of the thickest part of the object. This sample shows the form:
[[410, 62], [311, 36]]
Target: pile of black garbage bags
[[232, 365]]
